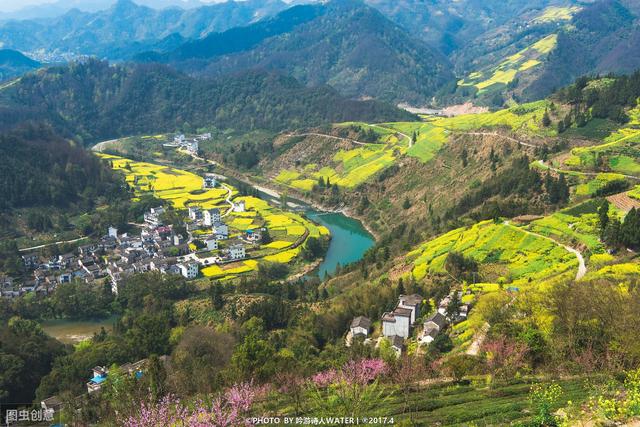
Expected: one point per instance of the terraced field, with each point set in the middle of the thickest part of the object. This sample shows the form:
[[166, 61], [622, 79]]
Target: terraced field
[[289, 231], [450, 404], [619, 153], [499, 76], [509, 255], [349, 168]]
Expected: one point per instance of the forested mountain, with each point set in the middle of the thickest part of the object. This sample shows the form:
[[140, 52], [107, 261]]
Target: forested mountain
[[40, 169], [127, 28], [14, 63], [343, 43], [603, 38], [94, 100]]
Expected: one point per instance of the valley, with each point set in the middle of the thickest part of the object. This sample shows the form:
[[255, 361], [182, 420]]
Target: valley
[[408, 212]]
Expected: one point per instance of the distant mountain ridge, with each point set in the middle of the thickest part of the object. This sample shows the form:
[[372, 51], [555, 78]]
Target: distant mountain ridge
[[343, 43], [127, 28]]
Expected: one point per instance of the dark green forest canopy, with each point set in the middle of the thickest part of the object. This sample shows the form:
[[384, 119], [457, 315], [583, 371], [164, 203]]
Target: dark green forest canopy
[[39, 168], [94, 100]]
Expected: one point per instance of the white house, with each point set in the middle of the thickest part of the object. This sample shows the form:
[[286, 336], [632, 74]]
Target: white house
[[212, 243], [211, 216], [240, 206], [179, 139], [221, 230], [237, 252], [360, 326], [113, 232], [195, 213], [189, 271], [153, 216], [413, 303], [397, 322], [429, 334]]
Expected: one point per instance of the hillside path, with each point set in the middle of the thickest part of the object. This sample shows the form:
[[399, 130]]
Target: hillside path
[[478, 340], [339, 138], [228, 199], [524, 144], [582, 267], [51, 244]]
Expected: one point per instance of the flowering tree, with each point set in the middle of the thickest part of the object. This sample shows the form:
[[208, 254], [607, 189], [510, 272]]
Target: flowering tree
[[227, 410], [352, 390]]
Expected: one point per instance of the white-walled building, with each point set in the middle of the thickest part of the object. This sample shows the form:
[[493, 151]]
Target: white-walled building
[[221, 230], [211, 216], [240, 206], [212, 243], [360, 326], [189, 271], [237, 252], [398, 322]]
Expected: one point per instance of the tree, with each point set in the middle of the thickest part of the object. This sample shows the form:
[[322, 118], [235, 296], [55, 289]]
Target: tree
[[546, 121], [603, 216], [215, 293], [459, 366], [406, 204], [255, 357], [198, 360]]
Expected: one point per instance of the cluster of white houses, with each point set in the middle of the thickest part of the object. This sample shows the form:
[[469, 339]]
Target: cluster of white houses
[[191, 145], [116, 255], [398, 324]]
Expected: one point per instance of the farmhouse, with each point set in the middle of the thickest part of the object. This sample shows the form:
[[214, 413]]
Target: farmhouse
[[211, 243], [220, 230], [209, 181], [360, 327], [398, 322], [195, 213], [436, 320], [413, 303], [240, 206]]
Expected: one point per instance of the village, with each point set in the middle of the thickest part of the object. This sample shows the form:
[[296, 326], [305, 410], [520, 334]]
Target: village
[[157, 247], [400, 325]]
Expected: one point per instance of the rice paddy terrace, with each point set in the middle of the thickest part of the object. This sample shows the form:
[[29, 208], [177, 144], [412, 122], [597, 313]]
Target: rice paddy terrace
[[289, 231]]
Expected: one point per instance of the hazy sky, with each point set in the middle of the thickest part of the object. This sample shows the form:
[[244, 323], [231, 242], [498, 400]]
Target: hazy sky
[[13, 5]]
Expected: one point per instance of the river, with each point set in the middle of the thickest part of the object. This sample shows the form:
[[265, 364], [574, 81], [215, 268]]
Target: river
[[349, 238]]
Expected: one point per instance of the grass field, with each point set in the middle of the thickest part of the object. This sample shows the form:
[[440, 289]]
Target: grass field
[[505, 72], [183, 189]]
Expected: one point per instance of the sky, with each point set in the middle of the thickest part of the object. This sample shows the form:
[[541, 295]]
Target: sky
[[14, 5]]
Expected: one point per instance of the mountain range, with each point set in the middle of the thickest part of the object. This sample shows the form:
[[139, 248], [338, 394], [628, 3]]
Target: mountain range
[[126, 27], [407, 51]]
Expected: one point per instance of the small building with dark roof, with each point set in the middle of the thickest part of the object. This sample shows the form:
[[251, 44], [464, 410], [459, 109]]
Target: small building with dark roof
[[360, 326]]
